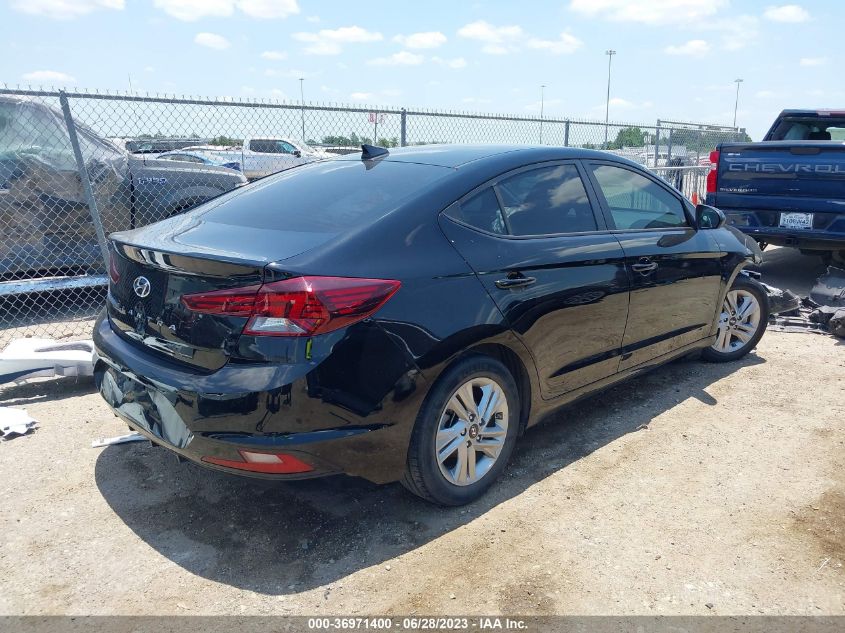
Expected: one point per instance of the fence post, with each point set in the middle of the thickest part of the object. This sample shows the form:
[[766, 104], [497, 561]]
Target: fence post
[[403, 128], [566, 133], [87, 191], [656, 142], [669, 150]]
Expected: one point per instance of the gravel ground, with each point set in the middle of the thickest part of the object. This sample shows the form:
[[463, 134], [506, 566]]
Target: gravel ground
[[696, 489]]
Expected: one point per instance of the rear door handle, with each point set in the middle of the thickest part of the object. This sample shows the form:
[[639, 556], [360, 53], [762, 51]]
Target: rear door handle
[[644, 266], [515, 282]]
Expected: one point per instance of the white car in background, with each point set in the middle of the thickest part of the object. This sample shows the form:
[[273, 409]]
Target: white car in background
[[262, 156]]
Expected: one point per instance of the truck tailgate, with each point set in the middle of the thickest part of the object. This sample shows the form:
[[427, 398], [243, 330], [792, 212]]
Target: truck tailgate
[[806, 176]]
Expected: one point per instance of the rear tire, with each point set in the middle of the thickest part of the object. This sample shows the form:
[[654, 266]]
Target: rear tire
[[742, 321], [465, 432]]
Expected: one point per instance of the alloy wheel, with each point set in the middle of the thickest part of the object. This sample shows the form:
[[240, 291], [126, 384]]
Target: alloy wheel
[[738, 322], [471, 432]]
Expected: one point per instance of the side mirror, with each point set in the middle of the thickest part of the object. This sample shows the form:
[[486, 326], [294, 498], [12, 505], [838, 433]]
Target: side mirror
[[707, 217], [297, 153]]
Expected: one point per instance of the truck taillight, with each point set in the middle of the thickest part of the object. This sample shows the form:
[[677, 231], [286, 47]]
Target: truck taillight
[[713, 174], [300, 306]]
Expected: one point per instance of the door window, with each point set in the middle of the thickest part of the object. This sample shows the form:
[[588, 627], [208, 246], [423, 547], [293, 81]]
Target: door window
[[547, 201], [637, 202]]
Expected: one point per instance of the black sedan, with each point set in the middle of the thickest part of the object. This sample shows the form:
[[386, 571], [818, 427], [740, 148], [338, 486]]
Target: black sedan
[[406, 315]]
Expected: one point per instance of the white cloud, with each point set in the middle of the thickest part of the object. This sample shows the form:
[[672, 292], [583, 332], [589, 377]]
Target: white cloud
[[149, 69], [765, 94], [212, 40], [457, 62], [625, 105], [191, 10], [361, 96], [497, 49], [736, 32], [274, 55], [694, 48], [278, 94], [331, 41], [291, 73], [565, 44], [402, 58], [485, 32], [813, 61], [49, 76], [649, 11], [64, 9], [790, 13], [428, 39], [313, 19], [268, 9]]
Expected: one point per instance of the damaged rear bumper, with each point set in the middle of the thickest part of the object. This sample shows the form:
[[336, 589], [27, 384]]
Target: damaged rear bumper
[[219, 420]]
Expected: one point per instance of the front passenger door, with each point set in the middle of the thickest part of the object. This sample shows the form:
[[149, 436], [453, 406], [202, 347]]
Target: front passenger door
[[675, 270]]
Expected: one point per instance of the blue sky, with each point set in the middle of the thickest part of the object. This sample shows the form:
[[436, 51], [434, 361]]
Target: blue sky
[[676, 59]]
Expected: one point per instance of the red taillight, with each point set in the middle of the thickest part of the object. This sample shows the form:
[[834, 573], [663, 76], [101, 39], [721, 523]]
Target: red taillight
[[301, 306], [713, 174], [230, 302], [272, 463], [114, 273]]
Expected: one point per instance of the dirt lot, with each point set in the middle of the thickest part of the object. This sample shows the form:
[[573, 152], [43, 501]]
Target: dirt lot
[[696, 489]]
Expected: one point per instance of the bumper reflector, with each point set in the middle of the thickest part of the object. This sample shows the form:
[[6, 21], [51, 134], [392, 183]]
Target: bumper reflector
[[271, 463]]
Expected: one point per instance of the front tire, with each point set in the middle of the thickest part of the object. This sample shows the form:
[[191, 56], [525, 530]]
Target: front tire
[[742, 321], [465, 432]]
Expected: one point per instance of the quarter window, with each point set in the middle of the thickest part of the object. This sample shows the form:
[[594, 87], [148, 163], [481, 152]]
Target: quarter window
[[480, 211], [547, 201], [637, 202]]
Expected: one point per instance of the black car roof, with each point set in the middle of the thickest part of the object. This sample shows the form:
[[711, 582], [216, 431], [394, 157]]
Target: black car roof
[[455, 156]]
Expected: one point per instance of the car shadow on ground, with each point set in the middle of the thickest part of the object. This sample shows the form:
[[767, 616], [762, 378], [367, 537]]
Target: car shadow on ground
[[47, 390], [282, 538]]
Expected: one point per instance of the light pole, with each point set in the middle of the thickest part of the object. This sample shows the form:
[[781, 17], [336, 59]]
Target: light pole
[[736, 103], [610, 53], [302, 104], [542, 88]]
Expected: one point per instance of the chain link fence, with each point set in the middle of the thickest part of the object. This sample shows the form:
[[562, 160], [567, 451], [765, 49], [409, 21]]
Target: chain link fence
[[75, 167]]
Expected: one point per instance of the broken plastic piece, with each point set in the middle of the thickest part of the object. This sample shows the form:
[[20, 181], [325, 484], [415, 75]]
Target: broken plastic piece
[[36, 357], [120, 439], [830, 288], [14, 423]]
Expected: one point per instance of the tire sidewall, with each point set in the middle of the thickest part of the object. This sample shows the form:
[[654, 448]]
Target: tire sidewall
[[749, 285], [425, 430]]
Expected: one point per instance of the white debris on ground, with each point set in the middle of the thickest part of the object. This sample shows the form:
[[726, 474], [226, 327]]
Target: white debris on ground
[[14, 423], [43, 357], [119, 439]]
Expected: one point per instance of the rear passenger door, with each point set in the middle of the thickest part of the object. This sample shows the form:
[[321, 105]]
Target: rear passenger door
[[674, 269], [541, 248]]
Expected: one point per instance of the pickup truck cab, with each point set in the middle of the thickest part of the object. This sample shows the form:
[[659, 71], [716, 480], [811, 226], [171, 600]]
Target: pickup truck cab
[[259, 157], [789, 189]]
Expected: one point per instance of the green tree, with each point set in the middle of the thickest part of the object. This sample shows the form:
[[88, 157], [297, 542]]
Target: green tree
[[628, 137]]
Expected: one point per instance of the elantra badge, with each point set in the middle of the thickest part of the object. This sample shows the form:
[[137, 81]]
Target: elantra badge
[[141, 286]]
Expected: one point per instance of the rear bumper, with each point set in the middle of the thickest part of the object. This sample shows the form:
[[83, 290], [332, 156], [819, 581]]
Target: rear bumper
[[276, 409], [762, 226]]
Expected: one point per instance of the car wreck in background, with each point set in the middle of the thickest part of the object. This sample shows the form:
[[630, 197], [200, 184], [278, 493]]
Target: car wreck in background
[[46, 227]]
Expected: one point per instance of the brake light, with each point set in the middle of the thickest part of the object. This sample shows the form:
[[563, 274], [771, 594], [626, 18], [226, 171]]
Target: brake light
[[300, 306], [272, 463], [114, 273], [713, 174]]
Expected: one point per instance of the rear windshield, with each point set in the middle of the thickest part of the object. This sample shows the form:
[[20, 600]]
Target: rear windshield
[[326, 197], [809, 129]]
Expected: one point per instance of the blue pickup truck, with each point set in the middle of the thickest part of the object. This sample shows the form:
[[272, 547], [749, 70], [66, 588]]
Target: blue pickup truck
[[789, 189]]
